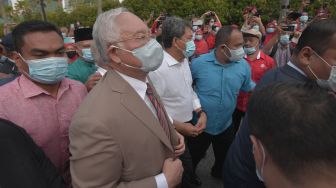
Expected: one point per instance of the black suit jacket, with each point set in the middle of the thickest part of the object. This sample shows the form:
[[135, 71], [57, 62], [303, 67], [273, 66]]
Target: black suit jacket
[[239, 169], [22, 163]]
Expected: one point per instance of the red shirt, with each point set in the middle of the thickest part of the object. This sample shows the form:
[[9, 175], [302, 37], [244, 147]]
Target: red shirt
[[211, 41], [201, 47], [259, 67], [269, 37]]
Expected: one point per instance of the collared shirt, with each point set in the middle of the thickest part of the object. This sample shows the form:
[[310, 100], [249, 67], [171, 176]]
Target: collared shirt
[[259, 67], [81, 70], [173, 83], [217, 86], [296, 68], [101, 71], [45, 118], [140, 87]]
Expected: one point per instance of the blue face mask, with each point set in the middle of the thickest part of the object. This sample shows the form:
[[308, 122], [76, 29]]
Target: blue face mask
[[48, 70], [270, 30], [304, 19], [190, 49], [284, 39], [87, 55], [250, 51]]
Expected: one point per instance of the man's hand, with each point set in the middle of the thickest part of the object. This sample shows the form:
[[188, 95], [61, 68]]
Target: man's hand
[[187, 129], [172, 170], [246, 17], [92, 81], [180, 148], [201, 123], [256, 19]]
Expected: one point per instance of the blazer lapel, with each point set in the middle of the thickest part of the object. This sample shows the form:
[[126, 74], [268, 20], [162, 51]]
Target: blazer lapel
[[135, 105]]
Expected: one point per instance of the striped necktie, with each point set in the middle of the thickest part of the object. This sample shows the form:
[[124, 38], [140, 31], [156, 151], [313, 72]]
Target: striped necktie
[[159, 110]]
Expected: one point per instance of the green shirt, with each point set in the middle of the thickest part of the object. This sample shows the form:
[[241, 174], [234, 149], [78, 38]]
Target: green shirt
[[81, 70]]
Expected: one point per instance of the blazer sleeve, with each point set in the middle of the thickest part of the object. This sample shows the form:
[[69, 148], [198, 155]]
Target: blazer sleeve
[[97, 160]]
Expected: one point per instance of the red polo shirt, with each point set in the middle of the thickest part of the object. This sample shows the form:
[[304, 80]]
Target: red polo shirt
[[259, 67]]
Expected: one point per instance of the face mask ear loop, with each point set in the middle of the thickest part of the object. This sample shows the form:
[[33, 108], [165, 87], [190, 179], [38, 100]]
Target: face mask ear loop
[[313, 72], [225, 52], [322, 58]]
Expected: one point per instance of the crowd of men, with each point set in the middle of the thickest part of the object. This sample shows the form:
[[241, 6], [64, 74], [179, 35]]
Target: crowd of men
[[124, 105]]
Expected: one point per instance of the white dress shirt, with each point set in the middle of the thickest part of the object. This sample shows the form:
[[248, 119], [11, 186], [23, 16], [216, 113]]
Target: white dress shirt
[[101, 71], [141, 87], [173, 82]]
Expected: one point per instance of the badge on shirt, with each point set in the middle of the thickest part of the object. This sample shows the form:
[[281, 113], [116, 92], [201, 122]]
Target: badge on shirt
[[263, 66]]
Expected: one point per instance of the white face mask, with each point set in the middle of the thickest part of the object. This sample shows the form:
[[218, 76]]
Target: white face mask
[[150, 55], [236, 55], [198, 37], [329, 84], [261, 171]]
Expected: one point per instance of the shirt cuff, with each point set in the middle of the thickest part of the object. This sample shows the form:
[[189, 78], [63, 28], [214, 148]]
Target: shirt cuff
[[161, 181], [196, 104]]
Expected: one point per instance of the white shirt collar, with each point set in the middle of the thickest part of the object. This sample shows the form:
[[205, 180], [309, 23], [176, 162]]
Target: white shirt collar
[[258, 56], [101, 71], [171, 61], [139, 86], [296, 68]]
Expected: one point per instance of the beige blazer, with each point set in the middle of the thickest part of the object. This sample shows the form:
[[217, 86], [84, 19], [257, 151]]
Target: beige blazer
[[115, 140]]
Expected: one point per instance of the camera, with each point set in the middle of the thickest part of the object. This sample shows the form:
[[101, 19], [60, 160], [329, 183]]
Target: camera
[[290, 28]]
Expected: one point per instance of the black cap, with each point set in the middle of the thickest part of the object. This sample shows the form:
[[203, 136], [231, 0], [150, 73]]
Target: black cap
[[7, 42], [83, 34]]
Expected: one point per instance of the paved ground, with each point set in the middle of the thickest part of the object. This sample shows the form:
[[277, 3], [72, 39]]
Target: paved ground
[[203, 171]]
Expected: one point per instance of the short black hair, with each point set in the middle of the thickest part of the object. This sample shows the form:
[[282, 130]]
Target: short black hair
[[173, 27], [223, 35], [28, 27], [296, 123], [317, 35]]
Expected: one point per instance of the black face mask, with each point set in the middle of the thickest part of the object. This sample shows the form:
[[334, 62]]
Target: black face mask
[[7, 66], [71, 54]]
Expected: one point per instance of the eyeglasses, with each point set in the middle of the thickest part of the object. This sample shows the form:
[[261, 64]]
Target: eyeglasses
[[141, 38]]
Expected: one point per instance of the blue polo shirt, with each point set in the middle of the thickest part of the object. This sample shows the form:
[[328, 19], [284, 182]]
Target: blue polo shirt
[[218, 86]]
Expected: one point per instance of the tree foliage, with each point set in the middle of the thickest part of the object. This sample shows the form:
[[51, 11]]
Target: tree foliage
[[85, 11]]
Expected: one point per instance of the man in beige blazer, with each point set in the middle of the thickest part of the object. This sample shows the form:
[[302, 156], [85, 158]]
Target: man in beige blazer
[[119, 137]]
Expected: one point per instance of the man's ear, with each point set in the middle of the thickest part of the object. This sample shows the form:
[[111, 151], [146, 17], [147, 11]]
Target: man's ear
[[257, 151], [19, 62], [112, 55], [305, 56], [225, 50], [174, 42]]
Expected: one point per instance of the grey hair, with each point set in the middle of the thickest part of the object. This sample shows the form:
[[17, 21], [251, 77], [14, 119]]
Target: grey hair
[[105, 31], [95, 54], [173, 27]]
